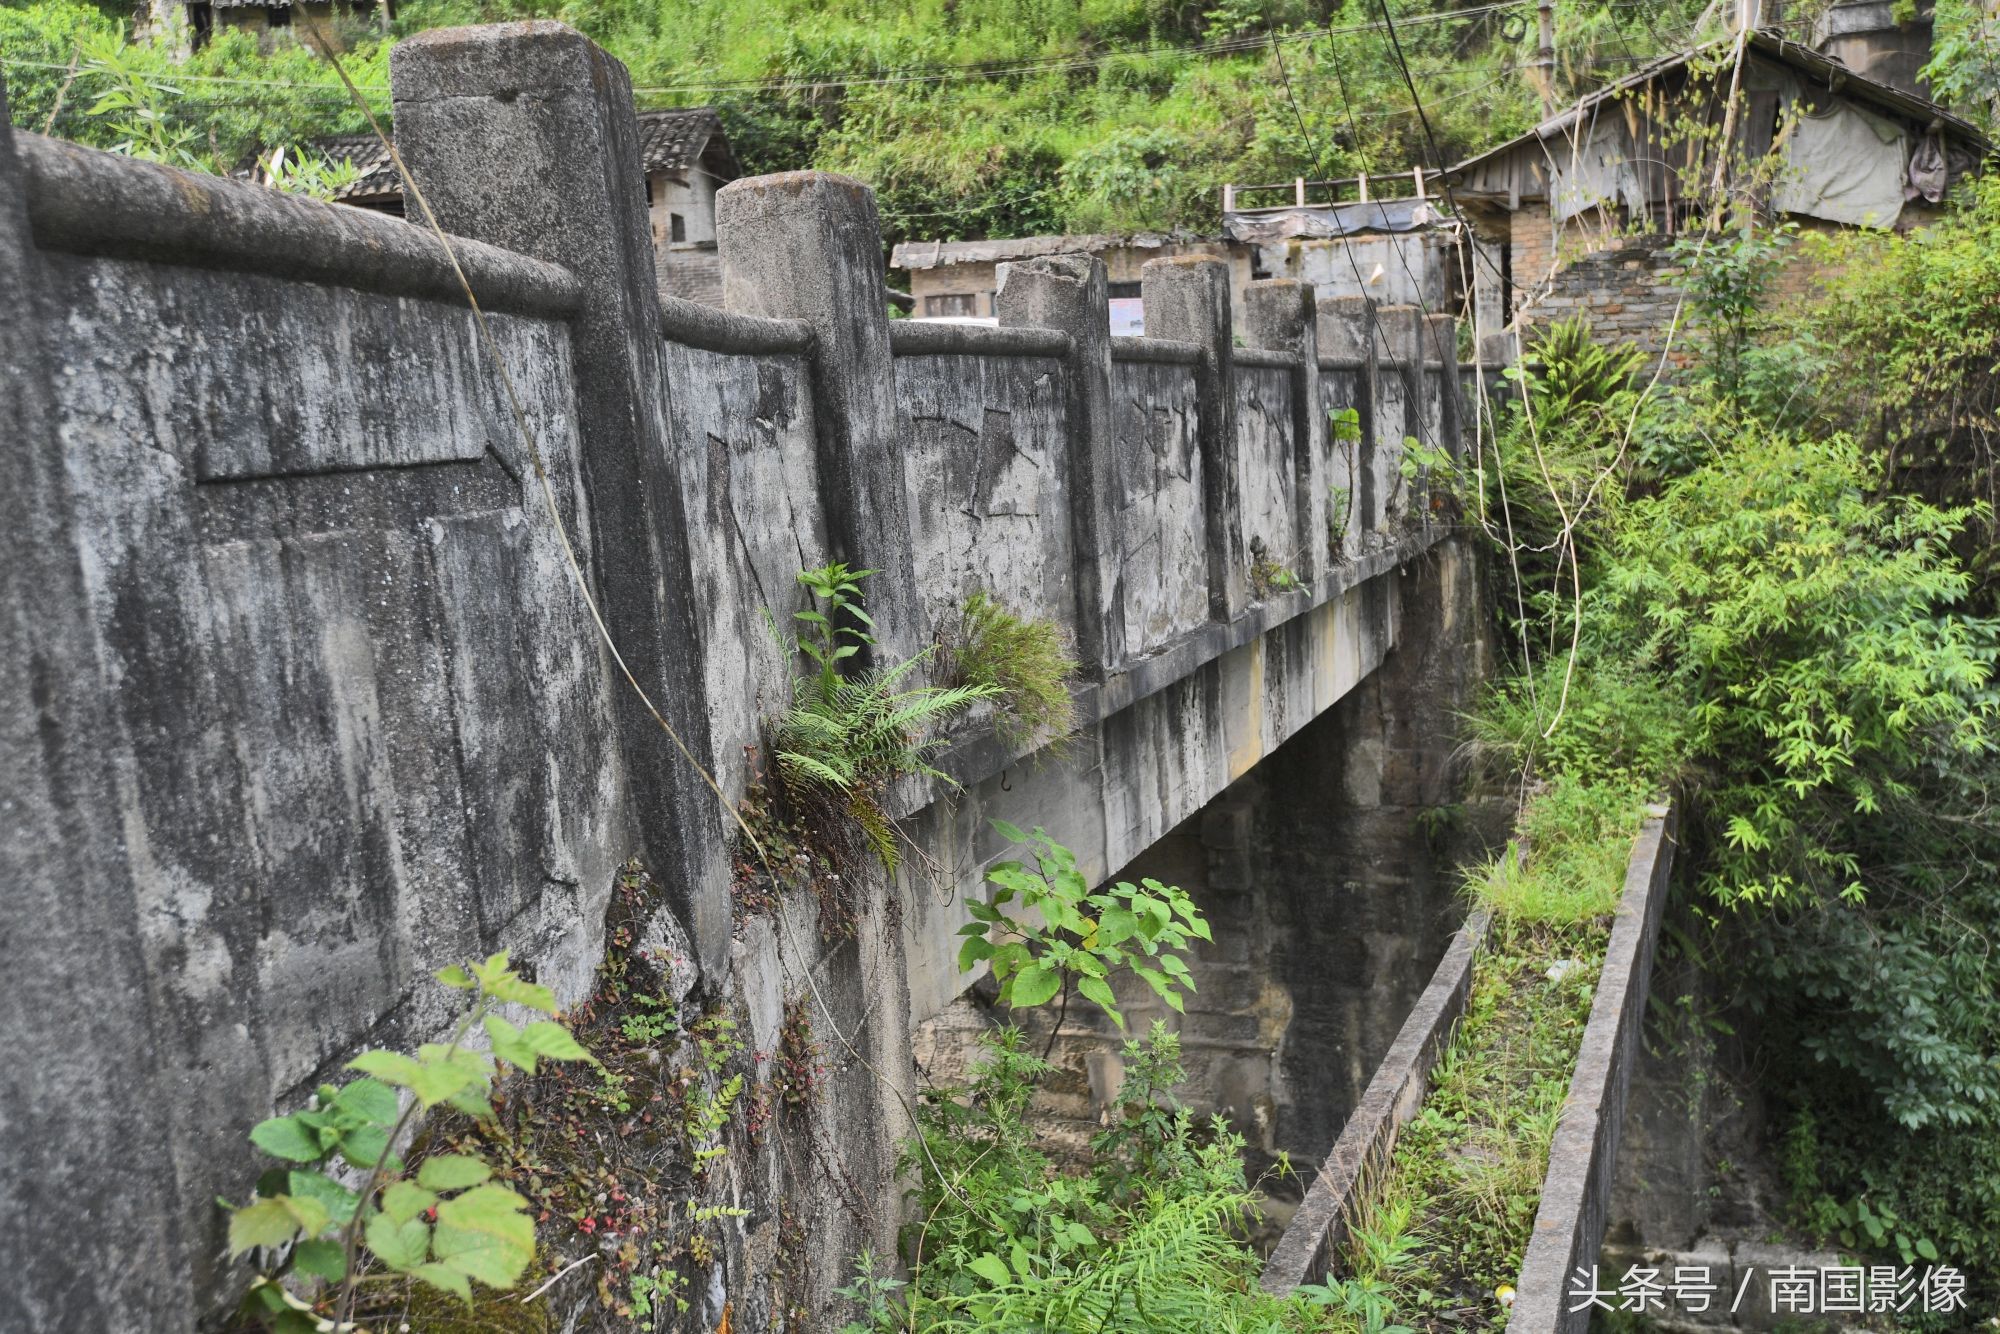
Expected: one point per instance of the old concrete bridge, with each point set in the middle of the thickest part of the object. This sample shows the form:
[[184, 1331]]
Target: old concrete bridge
[[301, 700]]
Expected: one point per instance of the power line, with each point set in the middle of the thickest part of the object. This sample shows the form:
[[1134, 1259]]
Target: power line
[[1411, 388]]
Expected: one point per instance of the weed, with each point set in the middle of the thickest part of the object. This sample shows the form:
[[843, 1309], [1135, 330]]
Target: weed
[[1268, 577], [1043, 933], [1025, 663], [845, 738]]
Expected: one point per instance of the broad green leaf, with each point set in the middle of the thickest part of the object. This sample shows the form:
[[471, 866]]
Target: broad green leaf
[[404, 1200], [452, 1171], [364, 1147], [485, 1235], [1097, 989], [390, 1066], [1115, 925], [401, 1246], [336, 1199], [321, 1259], [443, 1072], [369, 1101], [261, 1223], [287, 1137], [991, 1268], [1012, 833], [553, 1042], [974, 950], [1033, 985], [455, 977]]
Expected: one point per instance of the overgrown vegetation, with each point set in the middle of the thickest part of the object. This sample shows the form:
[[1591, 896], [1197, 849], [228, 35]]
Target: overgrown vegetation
[[1044, 934], [1149, 1233], [1445, 1225], [442, 1221], [1773, 585]]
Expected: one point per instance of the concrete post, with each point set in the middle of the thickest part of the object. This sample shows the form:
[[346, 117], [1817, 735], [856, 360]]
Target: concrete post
[[807, 245], [1187, 299], [1399, 336], [87, 1120], [523, 135], [1346, 333], [1440, 341], [1489, 297], [1282, 314], [1067, 292]]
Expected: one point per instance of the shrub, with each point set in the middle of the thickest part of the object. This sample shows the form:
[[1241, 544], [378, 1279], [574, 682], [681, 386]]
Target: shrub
[[446, 1223], [1144, 1238]]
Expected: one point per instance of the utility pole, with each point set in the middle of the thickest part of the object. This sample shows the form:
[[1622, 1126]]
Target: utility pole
[[1545, 56]]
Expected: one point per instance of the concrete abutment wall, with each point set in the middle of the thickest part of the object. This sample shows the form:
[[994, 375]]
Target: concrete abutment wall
[[303, 700]]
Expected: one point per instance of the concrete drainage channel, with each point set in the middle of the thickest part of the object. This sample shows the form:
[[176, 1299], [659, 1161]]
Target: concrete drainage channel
[[1576, 1192]]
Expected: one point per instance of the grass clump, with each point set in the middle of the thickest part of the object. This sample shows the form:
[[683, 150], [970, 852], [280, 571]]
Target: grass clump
[[1024, 664], [1576, 835]]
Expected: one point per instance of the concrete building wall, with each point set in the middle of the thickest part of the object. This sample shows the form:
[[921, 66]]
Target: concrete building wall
[[307, 695]]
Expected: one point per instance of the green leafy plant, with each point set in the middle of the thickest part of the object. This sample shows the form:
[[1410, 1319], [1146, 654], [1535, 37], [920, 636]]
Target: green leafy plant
[[1024, 663], [1043, 933], [1145, 1236], [298, 172], [847, 736], [1269, 576], [446, 1223]]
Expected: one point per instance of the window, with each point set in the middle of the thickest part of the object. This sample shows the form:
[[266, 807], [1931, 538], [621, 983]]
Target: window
[[677, 227], [278, 16], [952, 303], [649, 192]]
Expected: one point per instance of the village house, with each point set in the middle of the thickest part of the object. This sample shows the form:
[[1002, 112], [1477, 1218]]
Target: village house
[[686, 158], [1397, 250], [1576, 216], [1386, 237], [957, 279]]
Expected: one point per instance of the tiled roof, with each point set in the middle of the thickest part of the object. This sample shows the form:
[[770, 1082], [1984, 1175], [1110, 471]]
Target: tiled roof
[[670, 141], [378, 174], [675, 140]]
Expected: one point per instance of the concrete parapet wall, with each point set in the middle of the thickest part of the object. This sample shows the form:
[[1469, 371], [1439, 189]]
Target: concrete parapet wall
[[305, 698]]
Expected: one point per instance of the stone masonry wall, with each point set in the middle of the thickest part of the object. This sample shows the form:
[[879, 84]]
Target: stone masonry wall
[[305, 694]]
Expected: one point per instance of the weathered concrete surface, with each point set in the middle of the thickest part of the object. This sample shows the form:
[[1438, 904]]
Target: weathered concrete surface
[[985, 447], [744, 436], [522, 135], [1576, 1194], [807, 246], [1187, 300], [1068, 293], [89, 1201], [1161, 580], [1283, 316]]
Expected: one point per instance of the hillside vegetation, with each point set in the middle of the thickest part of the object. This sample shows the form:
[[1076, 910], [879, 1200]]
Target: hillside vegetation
[[970, 118]]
